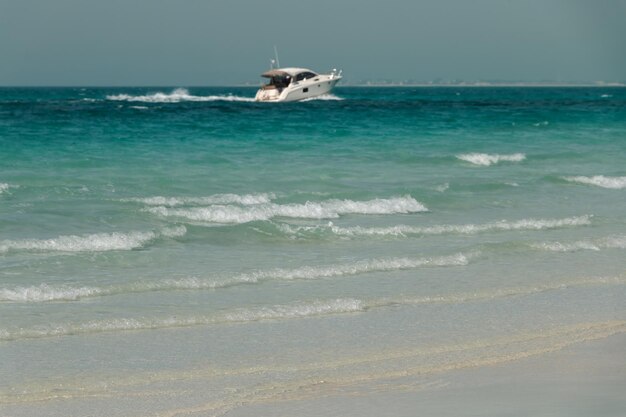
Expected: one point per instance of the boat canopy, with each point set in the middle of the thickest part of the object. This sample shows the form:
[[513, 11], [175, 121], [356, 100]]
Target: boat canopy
[[274, 73], [287, 72]]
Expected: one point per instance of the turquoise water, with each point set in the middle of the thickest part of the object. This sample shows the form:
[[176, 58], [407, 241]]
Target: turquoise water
[[216, 252]]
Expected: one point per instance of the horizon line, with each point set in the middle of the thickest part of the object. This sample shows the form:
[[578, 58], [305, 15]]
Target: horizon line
[[529, 84]]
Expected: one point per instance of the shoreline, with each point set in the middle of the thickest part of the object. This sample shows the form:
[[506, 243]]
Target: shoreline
[[586, 378]]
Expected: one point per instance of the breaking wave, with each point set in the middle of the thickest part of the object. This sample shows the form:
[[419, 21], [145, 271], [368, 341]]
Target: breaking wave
[[45, 292], [99, 242], [3, 187], [405, 230], [309, 210], [245, 200], [484, 159], [616, 183], [176, 96], [609, 242]]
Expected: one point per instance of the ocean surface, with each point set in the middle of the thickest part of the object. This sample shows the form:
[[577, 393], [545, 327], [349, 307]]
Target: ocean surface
[[174, 252]]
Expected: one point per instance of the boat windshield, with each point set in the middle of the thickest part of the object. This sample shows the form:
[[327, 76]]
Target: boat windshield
[[280, 81], [305, 76]]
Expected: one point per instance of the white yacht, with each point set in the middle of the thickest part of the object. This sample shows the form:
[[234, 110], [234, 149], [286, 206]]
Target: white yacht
[[292, 84]]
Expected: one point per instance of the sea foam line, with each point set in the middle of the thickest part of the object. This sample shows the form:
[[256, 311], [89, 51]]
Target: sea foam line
[[99, 242], [176, 96], [406, 230], [245, 200], [241, 315], [295, 310], [309, 210], [615, 183], [608, 242], [484, 159], [45, 292], [494, 294]]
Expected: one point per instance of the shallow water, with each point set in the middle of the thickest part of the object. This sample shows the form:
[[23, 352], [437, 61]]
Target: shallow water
[[199, 248]]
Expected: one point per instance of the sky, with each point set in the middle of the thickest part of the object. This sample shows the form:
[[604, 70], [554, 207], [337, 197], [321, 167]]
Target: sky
[[230, 42]]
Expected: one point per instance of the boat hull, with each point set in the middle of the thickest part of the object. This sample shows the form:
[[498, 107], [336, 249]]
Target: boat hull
[[301, 90]]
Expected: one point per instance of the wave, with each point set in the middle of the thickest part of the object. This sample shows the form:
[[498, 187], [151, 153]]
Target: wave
[[276, 312], [484, 159], [405, 230], [176, 96], [616, 183], [245, 200], [295, 310], [309, 210], [99, 242], [494, 294], [45, 292], [609, 242]]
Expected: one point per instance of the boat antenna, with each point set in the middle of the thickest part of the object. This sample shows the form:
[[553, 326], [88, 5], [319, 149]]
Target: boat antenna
[[276, 55]]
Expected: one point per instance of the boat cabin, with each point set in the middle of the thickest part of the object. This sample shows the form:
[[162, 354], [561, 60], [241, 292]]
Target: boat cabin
[[281, 78]]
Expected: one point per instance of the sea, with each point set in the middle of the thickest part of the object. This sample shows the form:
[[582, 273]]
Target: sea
[[190, 252]]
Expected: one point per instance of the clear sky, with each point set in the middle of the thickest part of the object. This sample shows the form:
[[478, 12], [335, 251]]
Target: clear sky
[[225, 42]]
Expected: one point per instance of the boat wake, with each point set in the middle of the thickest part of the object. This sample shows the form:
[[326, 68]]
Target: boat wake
[[176, 96], [324, 97]]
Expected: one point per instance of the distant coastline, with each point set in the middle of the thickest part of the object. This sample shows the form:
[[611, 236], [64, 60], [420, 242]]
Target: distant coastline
[[529, 84], [460, 84], [490, 84]]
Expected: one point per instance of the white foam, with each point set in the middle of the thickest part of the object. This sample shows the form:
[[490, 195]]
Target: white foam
[[315, 308], [324, 97], [296, 310], [355, 268], [176, 96], [99, 242], [44, 292], [309, 210], [3, 187], [177, 231], [405, 230], [275, 312], [606, 96], [246, 199], [443, 187], [616, 183], [484, 159], [609, 242]]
